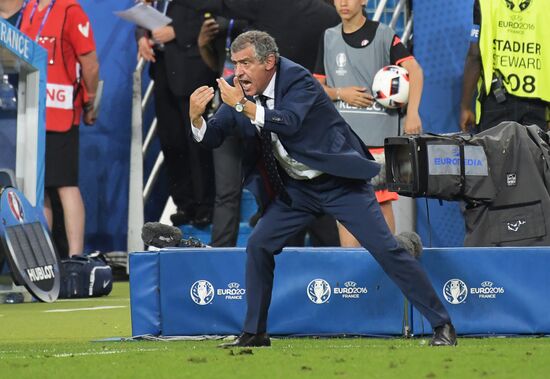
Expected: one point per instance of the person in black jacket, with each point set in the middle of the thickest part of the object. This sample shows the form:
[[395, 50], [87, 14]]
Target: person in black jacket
[[177, 69], [296, 25]]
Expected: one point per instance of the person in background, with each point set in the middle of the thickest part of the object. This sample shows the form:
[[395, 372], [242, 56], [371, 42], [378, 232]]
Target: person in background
[[297, 26], [508, 63], [322, 167], [214, 42], [363, 47], [10, 10], [63, 29], [177, 69]]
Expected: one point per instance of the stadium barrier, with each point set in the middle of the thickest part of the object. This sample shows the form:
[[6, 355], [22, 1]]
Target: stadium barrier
[[491, 290], [316, 292], [488, 291]]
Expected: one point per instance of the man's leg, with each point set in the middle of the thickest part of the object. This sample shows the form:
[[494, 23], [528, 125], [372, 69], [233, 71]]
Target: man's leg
[[355, 206], [173, 142], [74, 216], [227, 174], [267, 239], [48, 212], [201, 170]]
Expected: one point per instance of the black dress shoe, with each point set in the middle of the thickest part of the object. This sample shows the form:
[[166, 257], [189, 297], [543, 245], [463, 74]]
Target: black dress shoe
[[248, 340], [444, 335], [181, 218], [201, 222]]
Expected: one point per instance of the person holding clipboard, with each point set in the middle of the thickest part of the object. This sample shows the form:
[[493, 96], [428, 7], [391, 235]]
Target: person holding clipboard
[[177, 69]]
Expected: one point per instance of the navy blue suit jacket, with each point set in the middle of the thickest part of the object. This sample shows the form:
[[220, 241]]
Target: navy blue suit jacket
[[307, 124]]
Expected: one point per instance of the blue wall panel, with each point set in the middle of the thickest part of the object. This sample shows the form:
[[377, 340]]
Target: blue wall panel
[[441, 38], [105, 147]]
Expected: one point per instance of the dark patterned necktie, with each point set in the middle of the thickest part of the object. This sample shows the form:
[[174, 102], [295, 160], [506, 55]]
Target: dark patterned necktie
[[269, 160]]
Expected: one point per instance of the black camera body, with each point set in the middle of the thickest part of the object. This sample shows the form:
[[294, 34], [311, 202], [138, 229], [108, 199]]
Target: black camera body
[[502, 174], [446, 167]]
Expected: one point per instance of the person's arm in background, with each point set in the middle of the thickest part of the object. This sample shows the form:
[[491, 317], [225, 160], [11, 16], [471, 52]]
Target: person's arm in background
[[145, 45], [85, 50], [90, 77], [209, 30], [413, 123], [146, 39], [472, 72]]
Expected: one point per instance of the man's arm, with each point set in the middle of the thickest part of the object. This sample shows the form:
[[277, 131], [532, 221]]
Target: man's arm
[[209, 30], [472, 71], [413, 123], [90, 78]]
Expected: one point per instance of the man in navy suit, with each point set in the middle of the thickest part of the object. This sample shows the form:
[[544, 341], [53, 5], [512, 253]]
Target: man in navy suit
[[312, 163]]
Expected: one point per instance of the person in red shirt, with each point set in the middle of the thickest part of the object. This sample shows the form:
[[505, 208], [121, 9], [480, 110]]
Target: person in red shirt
[[64, 30]]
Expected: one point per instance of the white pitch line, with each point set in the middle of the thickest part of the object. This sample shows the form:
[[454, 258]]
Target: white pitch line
[[88, 299], [85, 309], [66, 355], [5, 355]]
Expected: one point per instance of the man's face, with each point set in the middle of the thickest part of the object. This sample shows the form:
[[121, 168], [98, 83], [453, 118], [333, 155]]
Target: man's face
[[253, 75]]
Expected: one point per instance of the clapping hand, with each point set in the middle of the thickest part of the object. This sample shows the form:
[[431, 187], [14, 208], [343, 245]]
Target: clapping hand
[[197, 104]]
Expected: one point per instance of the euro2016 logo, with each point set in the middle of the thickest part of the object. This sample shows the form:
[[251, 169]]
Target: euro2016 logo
[[518, 5], [318, 291], [455, 291], [341, 61], [202, 292]]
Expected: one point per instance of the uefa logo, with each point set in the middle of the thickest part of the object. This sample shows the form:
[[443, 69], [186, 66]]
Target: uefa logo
[[318, 291], [455, 291], [341, 60], [202, 292], [518, 5]]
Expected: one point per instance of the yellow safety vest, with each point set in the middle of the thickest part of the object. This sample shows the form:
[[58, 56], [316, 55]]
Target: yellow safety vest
[[515, 40]]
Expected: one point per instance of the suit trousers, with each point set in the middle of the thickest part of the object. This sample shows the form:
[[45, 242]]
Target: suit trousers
[[189, 166], [227, 203], [353, 203]]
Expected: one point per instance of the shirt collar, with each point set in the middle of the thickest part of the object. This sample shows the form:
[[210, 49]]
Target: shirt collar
[[270, 89]]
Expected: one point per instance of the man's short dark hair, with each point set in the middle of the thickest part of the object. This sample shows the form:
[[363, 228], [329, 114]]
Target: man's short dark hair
[[264, 45]]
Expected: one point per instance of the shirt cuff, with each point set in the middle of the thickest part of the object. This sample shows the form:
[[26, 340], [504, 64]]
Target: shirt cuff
[[198, 134]]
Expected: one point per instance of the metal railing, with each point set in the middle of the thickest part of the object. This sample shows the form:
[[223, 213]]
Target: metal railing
[[400, 11], [138, 193]]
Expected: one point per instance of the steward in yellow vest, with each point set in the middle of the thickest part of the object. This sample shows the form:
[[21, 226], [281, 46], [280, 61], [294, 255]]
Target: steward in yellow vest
[[509, 61]]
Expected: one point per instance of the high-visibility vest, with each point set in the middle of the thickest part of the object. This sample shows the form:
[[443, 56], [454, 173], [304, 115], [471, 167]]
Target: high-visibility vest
[[515, 40]]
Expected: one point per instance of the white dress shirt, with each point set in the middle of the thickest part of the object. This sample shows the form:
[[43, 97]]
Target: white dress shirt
[[292, 167]]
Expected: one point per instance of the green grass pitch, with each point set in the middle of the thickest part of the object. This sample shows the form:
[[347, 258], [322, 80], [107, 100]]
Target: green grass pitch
[[39, 340]]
